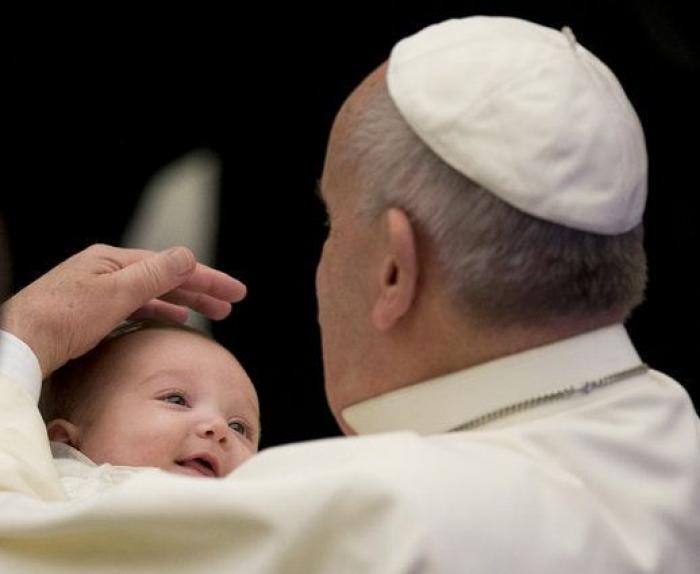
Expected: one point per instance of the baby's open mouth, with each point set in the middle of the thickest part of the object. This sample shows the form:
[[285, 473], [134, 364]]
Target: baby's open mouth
[[199, 465]]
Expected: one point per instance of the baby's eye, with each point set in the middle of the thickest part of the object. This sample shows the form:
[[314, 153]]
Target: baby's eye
[[175, 399], [239, 427]]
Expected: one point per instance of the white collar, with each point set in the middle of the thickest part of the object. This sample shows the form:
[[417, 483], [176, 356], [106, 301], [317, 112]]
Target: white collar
[[65, 451], [446, 402]]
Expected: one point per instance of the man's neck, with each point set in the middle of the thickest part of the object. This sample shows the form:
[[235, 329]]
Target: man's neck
[[443, 347]]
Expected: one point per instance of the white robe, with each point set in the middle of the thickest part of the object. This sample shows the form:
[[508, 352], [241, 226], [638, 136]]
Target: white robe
[[605, 482]]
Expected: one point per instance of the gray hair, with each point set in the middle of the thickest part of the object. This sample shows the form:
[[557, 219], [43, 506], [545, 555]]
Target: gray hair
[[499, 263]]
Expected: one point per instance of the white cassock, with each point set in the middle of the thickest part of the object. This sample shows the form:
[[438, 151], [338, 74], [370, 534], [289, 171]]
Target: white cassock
[[604, 482]]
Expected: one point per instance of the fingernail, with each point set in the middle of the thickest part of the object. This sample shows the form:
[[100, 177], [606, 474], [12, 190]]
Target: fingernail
[[181, 258]]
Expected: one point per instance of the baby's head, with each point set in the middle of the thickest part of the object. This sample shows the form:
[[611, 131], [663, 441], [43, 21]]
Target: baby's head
[[156, 394]]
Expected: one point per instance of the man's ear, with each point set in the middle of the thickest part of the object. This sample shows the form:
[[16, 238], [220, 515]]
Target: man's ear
[[398, 272], [61, 430]]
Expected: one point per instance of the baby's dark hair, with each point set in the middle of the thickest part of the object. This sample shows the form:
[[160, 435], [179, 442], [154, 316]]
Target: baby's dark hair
[[69, 391]]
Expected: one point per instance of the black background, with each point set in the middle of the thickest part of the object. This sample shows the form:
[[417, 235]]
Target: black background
[[98, 101]]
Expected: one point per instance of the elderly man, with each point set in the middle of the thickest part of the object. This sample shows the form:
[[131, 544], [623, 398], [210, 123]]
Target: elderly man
[[485, 190]]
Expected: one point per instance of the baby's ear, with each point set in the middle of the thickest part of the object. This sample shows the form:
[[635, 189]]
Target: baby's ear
[[61, 430]]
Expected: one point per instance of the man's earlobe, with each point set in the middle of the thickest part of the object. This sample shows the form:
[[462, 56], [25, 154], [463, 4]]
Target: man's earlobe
[[399, 271], [61, 430]]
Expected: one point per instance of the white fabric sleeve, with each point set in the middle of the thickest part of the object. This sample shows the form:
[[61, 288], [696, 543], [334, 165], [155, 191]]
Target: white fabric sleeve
[[310, 510], [18, 363]]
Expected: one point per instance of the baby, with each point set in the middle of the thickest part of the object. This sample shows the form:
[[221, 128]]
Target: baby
[[154, 394]]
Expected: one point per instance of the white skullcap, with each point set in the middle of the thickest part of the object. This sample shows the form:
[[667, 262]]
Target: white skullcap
[[527, 113]]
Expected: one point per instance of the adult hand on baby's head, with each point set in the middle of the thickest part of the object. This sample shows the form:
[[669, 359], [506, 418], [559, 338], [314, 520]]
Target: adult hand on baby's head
[[67, 311]]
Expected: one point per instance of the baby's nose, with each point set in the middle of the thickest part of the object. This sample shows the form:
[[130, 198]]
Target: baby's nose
[[215, 428]]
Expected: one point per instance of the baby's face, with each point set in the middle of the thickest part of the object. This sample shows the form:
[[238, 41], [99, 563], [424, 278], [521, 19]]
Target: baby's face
[[172, 400]]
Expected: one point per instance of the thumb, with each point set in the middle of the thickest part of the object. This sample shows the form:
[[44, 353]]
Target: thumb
[[155, 275], [179, 261]]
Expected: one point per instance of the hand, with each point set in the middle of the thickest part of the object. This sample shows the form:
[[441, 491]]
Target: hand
[[67, 311]]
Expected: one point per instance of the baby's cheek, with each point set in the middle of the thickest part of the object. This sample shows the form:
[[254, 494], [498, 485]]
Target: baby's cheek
[[241, 454], [126, 447]]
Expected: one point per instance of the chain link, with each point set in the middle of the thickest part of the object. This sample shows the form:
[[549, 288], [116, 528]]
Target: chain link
[[583, 389]]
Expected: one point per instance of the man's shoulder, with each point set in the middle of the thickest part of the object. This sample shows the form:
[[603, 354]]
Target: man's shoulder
[[456, 487], [399, 459]]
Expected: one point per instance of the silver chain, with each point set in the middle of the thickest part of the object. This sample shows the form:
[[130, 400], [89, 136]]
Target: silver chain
[[582, 389]]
